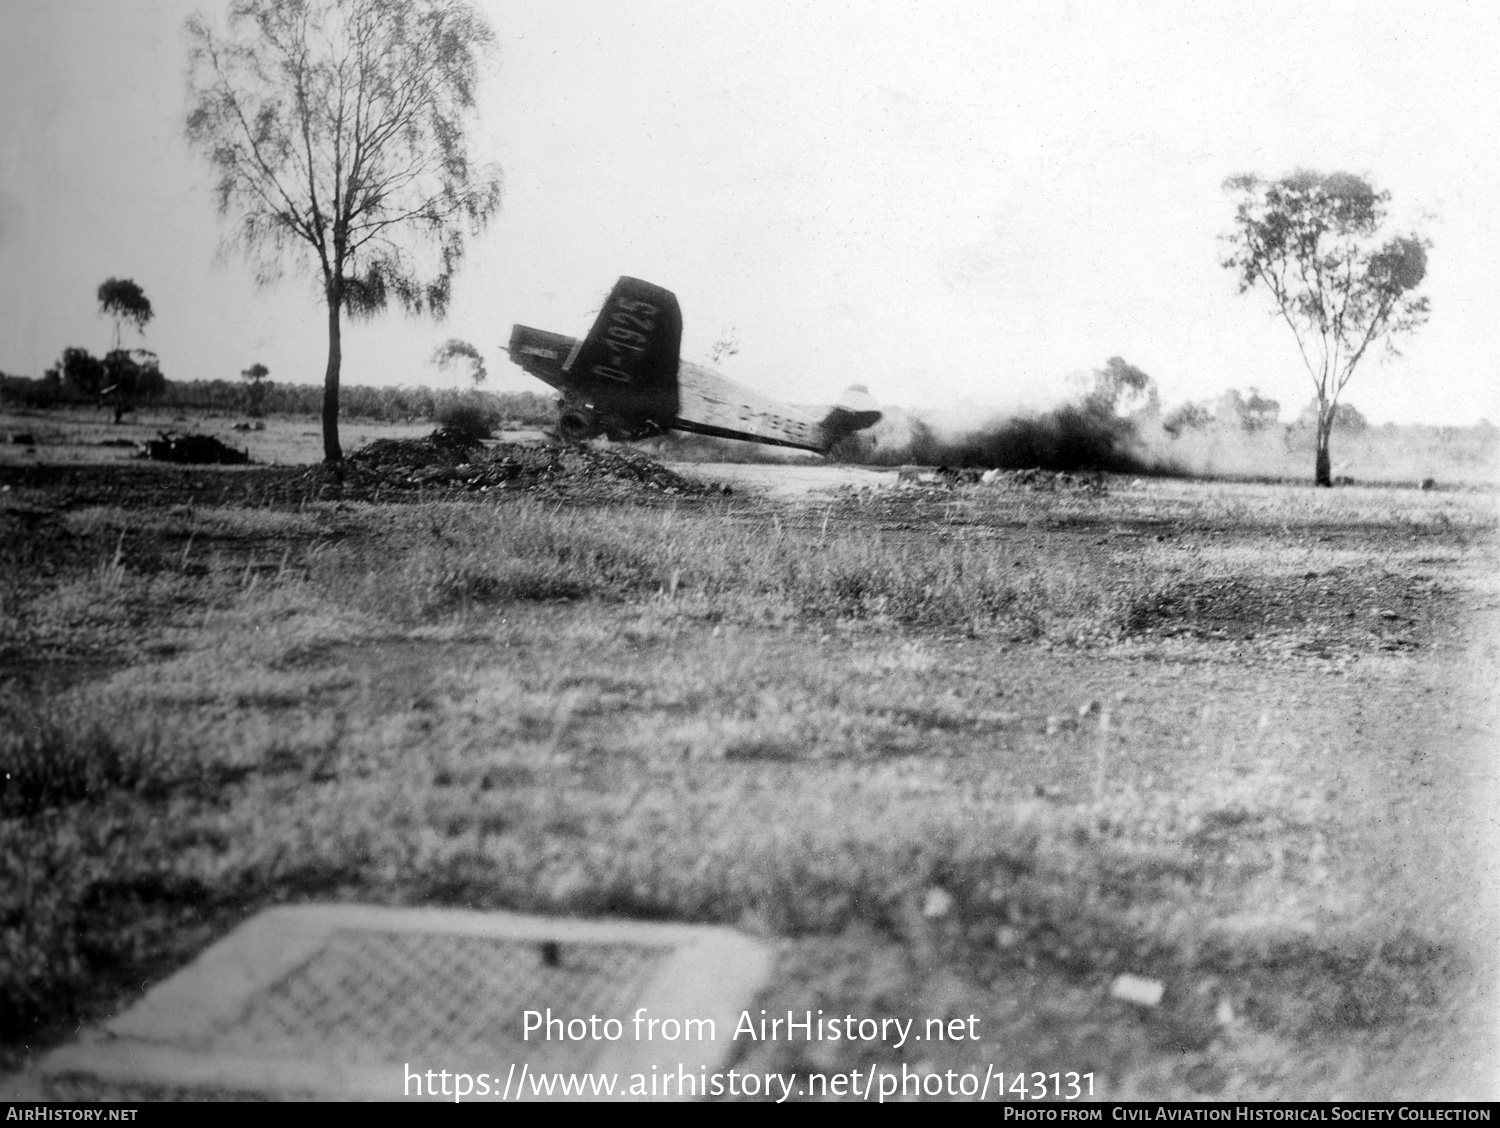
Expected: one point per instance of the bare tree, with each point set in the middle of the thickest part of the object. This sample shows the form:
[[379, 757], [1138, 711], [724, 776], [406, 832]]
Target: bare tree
[[339, 131], [1312, 241]]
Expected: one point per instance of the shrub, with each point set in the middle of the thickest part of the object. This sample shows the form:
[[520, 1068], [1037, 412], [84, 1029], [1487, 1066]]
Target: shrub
[[467, 419]]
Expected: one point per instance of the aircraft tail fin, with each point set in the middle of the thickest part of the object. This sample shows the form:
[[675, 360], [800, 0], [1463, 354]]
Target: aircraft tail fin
[[855, 411], [628, 363]]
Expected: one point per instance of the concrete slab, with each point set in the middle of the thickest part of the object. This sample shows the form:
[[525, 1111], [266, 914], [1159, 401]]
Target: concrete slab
[[354, 1002]]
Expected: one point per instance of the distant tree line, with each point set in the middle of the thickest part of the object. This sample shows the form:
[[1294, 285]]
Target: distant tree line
[[122, 377], [80, 379], [119, 380], [1253, 414]]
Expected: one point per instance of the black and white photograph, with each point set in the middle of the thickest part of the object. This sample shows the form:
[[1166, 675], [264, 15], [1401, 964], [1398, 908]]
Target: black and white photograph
[[747, 550]]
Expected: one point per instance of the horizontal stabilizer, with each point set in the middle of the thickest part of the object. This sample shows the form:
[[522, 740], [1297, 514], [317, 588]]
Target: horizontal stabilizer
[[540, 353]]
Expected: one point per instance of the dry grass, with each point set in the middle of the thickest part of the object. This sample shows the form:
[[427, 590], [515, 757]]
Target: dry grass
[[798, 719]]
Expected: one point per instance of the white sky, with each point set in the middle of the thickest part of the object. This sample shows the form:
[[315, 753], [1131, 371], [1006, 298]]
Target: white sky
[[948, 202]]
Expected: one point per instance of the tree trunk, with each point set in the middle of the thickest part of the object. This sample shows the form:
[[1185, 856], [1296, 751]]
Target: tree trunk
[[332, 452], [1323, 474]]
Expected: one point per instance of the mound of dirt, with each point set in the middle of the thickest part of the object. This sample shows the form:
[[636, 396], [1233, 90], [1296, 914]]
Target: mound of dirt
[[438, 466], [447, 464], [441, 448]]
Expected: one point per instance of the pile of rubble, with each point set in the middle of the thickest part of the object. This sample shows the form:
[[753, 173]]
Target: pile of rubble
[[948, 477], [1044, 480], [439, 449], [448, 464]]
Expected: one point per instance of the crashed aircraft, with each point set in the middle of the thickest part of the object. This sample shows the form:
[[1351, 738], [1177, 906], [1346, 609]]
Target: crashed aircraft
[[626, 380]]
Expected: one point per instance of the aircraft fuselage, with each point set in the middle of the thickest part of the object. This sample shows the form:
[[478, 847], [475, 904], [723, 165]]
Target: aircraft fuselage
[[626, 380]]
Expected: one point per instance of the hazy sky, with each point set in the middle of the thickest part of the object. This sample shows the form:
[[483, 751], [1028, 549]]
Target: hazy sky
[[948, 202]]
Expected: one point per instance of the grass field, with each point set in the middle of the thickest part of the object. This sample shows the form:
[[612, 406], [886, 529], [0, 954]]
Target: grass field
[[960, 752]]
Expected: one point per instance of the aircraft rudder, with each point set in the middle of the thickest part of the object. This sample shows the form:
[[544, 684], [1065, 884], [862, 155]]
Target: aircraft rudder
[[626, 367]]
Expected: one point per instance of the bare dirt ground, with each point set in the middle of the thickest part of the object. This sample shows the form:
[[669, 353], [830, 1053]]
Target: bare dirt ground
[[954, 752], [797, 483]]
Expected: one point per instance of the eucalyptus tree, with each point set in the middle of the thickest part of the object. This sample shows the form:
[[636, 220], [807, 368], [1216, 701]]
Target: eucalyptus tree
[[123, 300], [256, 374], [457, 351], [1315, 243]]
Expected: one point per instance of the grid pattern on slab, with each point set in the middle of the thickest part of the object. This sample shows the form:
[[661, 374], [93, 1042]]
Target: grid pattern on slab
[[405, 996]]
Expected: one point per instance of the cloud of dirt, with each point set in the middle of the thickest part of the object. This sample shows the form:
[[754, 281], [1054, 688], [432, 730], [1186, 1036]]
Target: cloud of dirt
[[1096, 430], [1071, 437], [1116, 424]]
